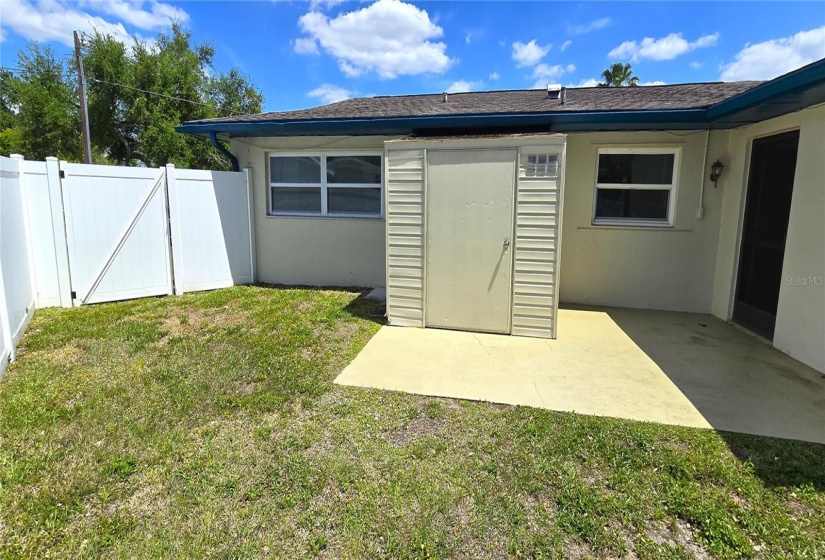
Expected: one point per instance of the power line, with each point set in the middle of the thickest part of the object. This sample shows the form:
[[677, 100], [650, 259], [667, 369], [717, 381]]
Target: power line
[[146, 91]]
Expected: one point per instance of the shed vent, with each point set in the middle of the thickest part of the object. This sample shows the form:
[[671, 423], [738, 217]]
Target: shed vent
[[554, 91]]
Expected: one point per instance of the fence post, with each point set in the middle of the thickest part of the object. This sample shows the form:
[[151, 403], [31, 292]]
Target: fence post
[[251, 209], [173, 206], [24, 192], [61, 247], [7, 346]]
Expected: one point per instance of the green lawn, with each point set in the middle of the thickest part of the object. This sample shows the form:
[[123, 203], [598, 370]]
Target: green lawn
[[208, 425]]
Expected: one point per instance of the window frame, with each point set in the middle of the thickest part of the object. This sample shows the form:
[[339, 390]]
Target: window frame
[[673, 187], [324, 185]]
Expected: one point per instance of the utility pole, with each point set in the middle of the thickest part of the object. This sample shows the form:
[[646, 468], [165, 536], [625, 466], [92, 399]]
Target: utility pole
[[84, 111]]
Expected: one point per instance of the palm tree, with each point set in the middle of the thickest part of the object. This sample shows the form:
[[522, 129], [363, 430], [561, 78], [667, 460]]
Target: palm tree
[[619, 75]]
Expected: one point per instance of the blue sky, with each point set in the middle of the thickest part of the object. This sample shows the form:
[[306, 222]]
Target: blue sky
[[302, 54]]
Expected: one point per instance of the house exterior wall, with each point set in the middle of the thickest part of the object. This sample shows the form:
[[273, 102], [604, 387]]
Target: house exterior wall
[[642, 267], [321, 251], [800, 319]]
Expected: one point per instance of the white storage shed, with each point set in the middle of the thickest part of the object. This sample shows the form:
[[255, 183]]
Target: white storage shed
[[473, 232]]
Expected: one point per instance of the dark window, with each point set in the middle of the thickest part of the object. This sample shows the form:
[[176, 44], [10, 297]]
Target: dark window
[[636, 169], [354, 169], [344, 200], [297, 199], [632, 204]]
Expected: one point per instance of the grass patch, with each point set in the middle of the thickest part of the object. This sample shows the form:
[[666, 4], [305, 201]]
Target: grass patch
[[208, 425]]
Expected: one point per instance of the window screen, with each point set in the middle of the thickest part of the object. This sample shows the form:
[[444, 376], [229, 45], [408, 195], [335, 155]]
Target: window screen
[[295, 169], [637, 169], [326, 184], [634, 187]]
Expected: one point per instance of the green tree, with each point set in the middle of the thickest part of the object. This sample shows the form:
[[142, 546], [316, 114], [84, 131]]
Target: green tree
[[138, 95], [9, 108], [40, 112], [618, 75]]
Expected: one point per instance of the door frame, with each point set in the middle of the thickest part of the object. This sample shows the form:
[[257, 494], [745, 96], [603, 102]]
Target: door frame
[[426, 230], [740, 228]]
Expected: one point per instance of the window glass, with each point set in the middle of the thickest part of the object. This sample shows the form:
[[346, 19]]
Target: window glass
[[354, 169], [343, 200], [296, 169], [639, 169], [296, 199], [540, 165], [639, 204]]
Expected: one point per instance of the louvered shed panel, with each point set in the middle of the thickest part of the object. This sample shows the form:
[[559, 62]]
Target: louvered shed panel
[[405, 222], [535, 260]]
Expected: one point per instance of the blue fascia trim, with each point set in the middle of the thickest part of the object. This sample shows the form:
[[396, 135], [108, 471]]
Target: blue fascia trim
[[406, 124], [233, 161], [805, 77]]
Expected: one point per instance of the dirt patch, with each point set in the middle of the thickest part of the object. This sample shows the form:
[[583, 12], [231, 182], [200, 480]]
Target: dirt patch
[[796, 508], [575, 550], [416, 429], [66, 356], [181, 322], [678, 534]]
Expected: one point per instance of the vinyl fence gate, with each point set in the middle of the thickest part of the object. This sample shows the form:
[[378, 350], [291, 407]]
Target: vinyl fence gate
[[74, 234]]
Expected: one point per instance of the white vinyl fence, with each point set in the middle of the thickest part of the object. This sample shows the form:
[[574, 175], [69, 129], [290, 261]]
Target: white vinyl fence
[[73, 234], [17, 296]]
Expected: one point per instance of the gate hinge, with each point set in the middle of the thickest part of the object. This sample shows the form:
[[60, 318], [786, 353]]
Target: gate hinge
[[62, 174], [74, 294]]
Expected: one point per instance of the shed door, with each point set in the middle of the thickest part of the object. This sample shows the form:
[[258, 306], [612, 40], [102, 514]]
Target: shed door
[[469, 235]]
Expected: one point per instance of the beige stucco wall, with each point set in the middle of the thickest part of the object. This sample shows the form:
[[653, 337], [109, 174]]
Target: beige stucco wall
[[800, 320], [657, 268], [313, 251]]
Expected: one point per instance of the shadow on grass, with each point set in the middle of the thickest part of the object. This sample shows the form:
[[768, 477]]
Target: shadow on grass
[[368, 309], [780, 462], [361, 307]]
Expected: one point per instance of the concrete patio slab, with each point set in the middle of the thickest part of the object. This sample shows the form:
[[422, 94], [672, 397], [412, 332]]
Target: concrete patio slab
[[673, 368]]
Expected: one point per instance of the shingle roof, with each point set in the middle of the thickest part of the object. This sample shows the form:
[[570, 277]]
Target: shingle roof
[[680, 96]]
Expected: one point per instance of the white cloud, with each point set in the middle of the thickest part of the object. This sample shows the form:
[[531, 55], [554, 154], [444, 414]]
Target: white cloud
[[316, 5], [654, 83], [329, 93], [155, 15], [462, 86], [665, 48], [52, 20], [775, 57], [529, 54], [544, 73], [594, 25], [695, 65], [306, 45], [389, 37], [494, 76], [589, 82], [564, 45], [467, 38]]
